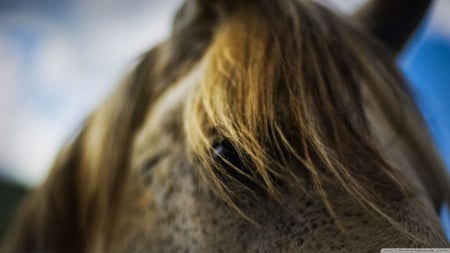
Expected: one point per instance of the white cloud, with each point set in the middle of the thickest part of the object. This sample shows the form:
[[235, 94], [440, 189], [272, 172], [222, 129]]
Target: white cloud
[[122, 31], [9, 73], [35, 143], [440, 18], [53, 61], [346, 6], [27, 142], [75, 64]]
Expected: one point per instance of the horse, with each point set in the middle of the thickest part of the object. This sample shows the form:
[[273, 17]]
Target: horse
[[257, 126]]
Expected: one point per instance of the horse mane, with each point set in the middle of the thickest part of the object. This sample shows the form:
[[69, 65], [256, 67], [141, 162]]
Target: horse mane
[[79, 201], [282, 85]]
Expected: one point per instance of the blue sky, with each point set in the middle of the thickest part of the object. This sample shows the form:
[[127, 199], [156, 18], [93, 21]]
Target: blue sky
[[58, 60], [427, 65]]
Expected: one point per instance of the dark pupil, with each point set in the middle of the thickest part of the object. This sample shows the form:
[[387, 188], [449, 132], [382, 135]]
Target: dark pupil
[[225, 152], [232, 164]]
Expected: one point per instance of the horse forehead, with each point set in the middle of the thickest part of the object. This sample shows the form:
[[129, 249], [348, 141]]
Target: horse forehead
[[166, 111]]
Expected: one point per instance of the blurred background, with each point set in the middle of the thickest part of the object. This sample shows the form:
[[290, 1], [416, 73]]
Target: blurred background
[[60, 58]]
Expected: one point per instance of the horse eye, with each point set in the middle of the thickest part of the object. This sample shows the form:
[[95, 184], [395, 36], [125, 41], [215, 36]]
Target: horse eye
[[225, 154], [232, 165]]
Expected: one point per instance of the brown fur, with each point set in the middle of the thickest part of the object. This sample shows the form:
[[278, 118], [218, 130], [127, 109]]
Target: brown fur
[[333, 154]]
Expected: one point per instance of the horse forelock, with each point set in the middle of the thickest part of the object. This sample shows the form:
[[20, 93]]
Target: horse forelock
[[283, 86]]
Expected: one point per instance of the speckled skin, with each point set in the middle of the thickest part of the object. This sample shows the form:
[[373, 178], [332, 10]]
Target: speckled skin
[[178, 213]]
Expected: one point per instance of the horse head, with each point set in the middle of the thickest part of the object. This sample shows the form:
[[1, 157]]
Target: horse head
[[257, 126]]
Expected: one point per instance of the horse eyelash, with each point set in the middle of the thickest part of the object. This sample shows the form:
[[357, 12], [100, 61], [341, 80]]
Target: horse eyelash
[[225, 151]]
